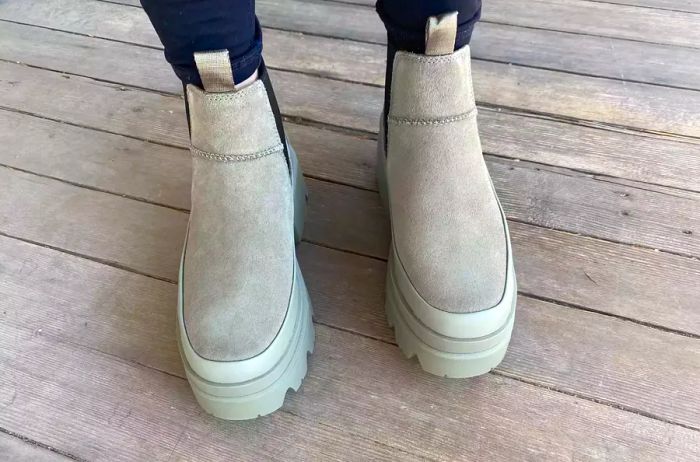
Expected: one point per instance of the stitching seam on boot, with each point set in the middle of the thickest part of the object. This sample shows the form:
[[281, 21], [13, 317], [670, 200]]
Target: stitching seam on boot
[[236, 157], [438, 121]]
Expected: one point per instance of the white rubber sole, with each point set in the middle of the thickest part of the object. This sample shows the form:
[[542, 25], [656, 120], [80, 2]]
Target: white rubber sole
[[254, 387], [453, 345]]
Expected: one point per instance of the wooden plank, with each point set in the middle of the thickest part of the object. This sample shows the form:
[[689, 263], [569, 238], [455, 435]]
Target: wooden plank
[[588, 55], [550, 263], [621, 358], [109, 409], [347, 291], [676, 5], [636, 105], [605, 19], [645, 210], [14, 449], [128, 413], [608, 210], [364, 62], [594, 99], [371, 443], [344, 218], [157, 173], [611, 211], [86, 229], [612, 153], [351, 393], [652, 287], [615, 153], [688, 6]]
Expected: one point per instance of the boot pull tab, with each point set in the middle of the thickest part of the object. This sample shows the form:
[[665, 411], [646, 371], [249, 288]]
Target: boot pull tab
[[440, 34], [214, 69]]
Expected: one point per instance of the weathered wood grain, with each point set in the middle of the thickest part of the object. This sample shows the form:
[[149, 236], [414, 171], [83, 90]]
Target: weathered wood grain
[[137, 232], [573, 203], [650, 218], [641, 284], [612, 153], [160, 229], [583, 353], [146, 415], [602, 19], [65, 355], [588, 55], [364, 62], [615, 153], [677, 5], [99, 407], [609, 210], [687, 6], [605, 19], [345, 370], [594, 99], [610, 101], [14, 449], [594, 274]]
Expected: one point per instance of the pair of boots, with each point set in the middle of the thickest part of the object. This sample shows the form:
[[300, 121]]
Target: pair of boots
[[244, 314]]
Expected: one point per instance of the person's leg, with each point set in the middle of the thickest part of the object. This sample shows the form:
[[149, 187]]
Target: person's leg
[[451, 287], [189, 26], [244, 317]]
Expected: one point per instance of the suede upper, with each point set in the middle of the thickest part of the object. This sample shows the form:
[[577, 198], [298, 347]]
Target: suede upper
[[239, 254], [448, 231]]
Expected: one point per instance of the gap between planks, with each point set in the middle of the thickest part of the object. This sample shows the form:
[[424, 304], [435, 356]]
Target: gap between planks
[[137, 217], [21, 448], [145, 27], [324, 393], [511, 375], [173, 134], [165, 76], [677, 6], [638, 18]]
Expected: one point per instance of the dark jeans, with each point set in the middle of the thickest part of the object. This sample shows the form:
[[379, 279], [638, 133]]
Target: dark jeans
[[187, 26]]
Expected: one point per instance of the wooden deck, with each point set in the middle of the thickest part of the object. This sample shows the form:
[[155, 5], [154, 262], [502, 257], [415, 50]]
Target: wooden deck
[[590, 120]]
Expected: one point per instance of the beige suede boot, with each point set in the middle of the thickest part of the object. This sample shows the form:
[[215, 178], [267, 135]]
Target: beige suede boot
[[451, 287], [244, 315]]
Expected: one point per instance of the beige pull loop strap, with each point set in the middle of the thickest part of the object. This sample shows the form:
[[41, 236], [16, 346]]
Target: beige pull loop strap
[[215, 70], [440, 34]]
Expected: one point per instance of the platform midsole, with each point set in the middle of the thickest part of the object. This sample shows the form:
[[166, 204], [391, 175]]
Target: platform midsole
[[301, 310], [435, 339], [259, 384]]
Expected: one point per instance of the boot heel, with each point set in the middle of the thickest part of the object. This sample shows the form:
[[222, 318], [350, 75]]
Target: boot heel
[[301, 194]]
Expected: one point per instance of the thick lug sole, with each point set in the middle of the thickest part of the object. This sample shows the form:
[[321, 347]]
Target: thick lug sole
[[265, 392], [467, 358], [439, 354]]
